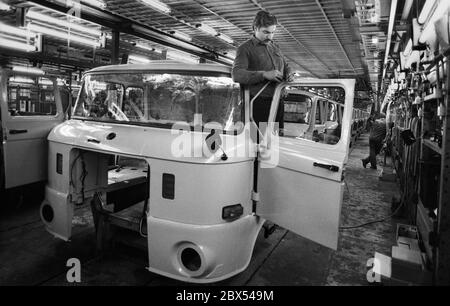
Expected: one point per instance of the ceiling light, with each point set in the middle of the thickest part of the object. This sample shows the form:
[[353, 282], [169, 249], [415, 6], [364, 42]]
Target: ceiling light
[[226, 38], [30, 70], [139, 45], [38, 16], [17, 31], [207, 29], [183, 57], [426, 10], [138, 59], [181, 35], [429, 30], [4, 7], [64, 35], [95, 3], [12, 44], [149, 48], [15, 79], [162, 7]]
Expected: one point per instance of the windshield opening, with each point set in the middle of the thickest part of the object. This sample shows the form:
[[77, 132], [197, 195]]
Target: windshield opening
[[161, 100]]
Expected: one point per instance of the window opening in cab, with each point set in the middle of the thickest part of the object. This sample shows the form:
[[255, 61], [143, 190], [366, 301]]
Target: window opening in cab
[[310, 114], [31, 96], [161, 100]]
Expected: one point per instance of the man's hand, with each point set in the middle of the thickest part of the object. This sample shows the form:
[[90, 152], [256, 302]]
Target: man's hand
[[273, 75]]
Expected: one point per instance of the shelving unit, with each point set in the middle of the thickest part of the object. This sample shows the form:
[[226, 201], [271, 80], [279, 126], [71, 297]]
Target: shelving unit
[[433, 207]]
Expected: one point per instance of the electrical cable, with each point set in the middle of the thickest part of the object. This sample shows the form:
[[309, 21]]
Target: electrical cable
[[372, 222]]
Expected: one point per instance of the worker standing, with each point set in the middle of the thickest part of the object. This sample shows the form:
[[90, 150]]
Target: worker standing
[[377, 137], [258, 61]]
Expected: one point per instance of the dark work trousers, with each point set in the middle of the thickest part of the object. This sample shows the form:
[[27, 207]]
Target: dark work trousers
[[261, 110], [375, 146]]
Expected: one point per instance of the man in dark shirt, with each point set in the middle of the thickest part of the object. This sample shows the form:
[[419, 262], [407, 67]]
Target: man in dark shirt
[[376, 138], [258, 61]]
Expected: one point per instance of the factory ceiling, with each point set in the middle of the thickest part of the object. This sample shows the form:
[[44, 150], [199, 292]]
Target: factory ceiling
[[320, 38]]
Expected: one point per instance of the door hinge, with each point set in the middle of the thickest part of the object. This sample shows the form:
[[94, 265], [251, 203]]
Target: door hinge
[[5, 134], [255, 196]]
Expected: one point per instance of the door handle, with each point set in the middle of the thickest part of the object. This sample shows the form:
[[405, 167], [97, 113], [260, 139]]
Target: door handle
[[18, 131], [328, 167], [93, 140]]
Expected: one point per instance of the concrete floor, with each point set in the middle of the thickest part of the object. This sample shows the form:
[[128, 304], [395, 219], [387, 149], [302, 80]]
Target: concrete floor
[[31, 256]]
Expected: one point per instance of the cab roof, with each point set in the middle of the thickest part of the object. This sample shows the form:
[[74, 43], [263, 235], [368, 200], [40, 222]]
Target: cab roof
[[165, 65]]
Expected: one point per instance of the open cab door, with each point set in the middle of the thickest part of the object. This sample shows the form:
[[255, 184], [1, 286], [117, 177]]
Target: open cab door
[[300, 180], [30, 108]]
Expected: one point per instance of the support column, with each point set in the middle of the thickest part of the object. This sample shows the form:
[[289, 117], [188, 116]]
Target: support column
[[115, 47]]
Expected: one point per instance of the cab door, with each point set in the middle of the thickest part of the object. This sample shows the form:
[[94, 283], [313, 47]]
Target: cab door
[[300, 181], [30, 108]]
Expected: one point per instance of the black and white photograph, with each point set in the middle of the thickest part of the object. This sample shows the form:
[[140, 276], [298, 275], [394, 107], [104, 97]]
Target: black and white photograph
[[223, 151]]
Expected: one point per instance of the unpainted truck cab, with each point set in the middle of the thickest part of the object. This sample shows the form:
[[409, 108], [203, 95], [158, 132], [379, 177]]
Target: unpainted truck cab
[[191, 126]]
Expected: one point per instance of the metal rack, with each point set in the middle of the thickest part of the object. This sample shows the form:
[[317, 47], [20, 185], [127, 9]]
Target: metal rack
[[433, 207]]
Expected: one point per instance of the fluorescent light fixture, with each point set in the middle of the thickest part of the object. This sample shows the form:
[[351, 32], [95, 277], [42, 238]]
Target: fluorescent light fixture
[[42, 17], [406, 9], [145, 47], [429, 31], [226, 38], [4, 7], [16, 79], [183, 57], [207, 29], [162, 7], [64, 35], [426, 10], [149, 48], [12, 44], [138, 59], [45, 82], [95, 3], [181, 35], [389, 34], [30, 70], [16, 31]]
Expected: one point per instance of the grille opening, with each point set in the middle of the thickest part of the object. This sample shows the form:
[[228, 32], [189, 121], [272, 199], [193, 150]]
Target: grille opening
[[47, 213], [191, 259]]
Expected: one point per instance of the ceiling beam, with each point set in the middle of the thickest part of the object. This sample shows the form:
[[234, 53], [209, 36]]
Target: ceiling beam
[[335, 35], [218, 15], [255, 2]]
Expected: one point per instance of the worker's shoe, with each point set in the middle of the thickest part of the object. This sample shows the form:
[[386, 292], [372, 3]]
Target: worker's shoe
[[364, 162]]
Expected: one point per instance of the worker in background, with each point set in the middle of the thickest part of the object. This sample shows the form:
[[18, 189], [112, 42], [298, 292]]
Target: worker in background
[[258, 61], [378, 135]]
